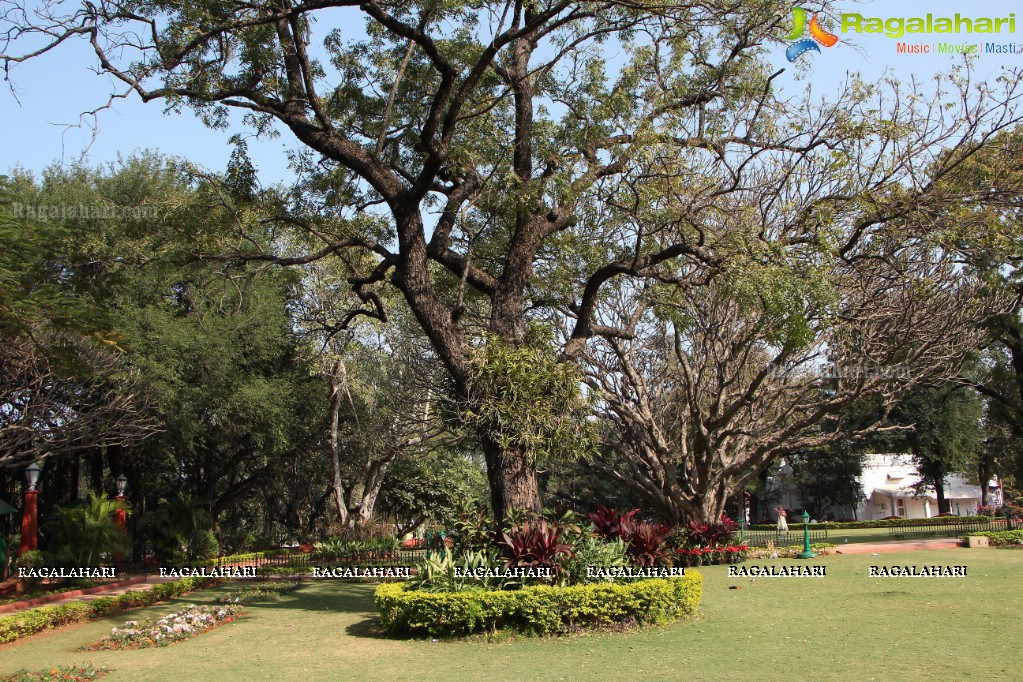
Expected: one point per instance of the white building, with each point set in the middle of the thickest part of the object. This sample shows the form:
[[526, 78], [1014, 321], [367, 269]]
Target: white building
[[889, 488]]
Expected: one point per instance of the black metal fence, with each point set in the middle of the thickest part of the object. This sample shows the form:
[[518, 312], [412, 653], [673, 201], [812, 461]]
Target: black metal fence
[[377, 559], [955, 526], [793, 536]]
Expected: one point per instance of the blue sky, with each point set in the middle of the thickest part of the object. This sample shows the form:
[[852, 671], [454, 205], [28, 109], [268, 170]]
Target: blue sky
[[55, 88]]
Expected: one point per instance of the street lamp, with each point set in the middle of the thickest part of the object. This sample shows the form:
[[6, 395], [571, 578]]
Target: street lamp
[[32, 475], [120, 513], [806, 553], [30, 511]]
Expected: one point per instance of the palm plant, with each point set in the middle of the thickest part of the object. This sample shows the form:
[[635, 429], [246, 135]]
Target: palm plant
[[89, 532]]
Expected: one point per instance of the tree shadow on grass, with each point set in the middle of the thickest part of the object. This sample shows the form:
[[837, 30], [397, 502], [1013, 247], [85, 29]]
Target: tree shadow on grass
[[334, 596]]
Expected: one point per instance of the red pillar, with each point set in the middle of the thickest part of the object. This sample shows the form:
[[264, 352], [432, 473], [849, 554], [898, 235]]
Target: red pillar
[[121, 519], [121, 516], [30, 522]]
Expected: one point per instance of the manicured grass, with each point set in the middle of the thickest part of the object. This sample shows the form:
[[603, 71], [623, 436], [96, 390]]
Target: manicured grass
[[845, 626], [854, 535]]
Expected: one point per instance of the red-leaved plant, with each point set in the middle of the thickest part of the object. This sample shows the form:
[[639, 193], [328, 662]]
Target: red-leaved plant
[[648, 544], [709, 534], [611, 524], [534, 543]]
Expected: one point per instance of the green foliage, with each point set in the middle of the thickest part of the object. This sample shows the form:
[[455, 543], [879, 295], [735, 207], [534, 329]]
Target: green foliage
[[528, 401], [30, 290], [31, 621], [262, 592], [87, 534], [75, 672], [827, 477], [474, 529], [344, 546], [946, 433], [33, 558], [436, 484], [1004, 538], [540, 610], [598, 553], [447, 572], [178, 529]]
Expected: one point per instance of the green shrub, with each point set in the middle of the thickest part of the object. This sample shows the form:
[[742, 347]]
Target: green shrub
[[105, 606], [259, 592], [539, 610], [237, 558], [76, 672], [287, 571], [31, 621], [592, 551], [1003, 538], [437, 573]]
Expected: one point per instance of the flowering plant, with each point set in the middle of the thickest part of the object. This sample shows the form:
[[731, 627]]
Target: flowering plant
[[174, 627], [74, 673]]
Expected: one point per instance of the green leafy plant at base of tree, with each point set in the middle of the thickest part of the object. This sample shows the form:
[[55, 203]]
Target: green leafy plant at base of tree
[[598, 554], [88, 534], [526, 399]]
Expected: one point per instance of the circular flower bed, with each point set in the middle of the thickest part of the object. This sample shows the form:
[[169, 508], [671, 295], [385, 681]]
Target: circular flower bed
[[539, 610]]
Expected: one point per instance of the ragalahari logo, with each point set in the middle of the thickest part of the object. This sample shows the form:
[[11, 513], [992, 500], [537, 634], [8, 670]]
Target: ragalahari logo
[[818, 36]]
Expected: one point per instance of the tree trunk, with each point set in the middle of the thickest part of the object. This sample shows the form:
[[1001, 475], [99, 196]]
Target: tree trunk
[[944, 507], [513, 481], [371, 489], [708, 505], [340, 499], [984, 465]]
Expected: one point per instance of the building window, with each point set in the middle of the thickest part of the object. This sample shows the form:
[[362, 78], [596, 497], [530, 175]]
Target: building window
[[900, 507]]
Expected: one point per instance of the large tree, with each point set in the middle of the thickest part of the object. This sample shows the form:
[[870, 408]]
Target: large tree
[[66, 386], [476, 150], [214, 347], [476, 131], [713, 385]]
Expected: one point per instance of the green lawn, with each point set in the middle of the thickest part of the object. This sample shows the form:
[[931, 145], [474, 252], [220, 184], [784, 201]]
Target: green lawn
[[845, 626]]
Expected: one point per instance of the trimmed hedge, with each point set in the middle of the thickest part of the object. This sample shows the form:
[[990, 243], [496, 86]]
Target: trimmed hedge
[[238, 558], [30, 621], [880, 523], [539, 610], [1003, 538]]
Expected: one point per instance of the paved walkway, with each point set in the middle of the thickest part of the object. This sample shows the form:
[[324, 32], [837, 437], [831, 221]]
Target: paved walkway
[[896, 546]]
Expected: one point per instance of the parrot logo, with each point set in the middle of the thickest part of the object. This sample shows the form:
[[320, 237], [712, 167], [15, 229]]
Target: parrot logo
[[803, 45]]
